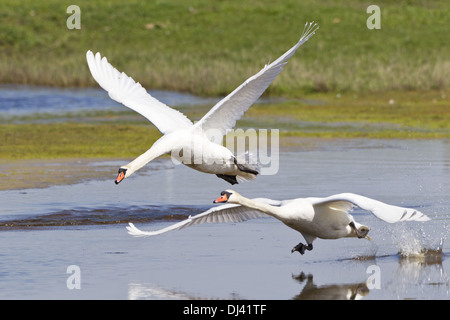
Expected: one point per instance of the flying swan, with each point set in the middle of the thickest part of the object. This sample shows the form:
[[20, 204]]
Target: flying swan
[[195, 144], [325, 218]]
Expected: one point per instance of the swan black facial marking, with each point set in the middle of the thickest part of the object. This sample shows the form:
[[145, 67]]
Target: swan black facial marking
[[228, 194], [224, 197], [121, 175]]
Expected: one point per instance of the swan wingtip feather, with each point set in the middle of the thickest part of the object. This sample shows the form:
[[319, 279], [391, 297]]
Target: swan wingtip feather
[[134, 231]]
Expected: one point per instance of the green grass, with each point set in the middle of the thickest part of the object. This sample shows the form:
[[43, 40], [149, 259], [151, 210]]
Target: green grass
[[209, 47], [74, 140], [422, 112]]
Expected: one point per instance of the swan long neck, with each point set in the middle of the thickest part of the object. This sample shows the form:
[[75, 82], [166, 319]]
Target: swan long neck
[[154, 152], [264, 207]]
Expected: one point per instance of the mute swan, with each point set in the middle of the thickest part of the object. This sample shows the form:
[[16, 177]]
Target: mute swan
[[196, 142], [325, 218]]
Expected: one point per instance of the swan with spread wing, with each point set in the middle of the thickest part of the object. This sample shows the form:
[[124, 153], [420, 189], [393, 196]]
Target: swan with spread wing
[[195, 144], [325, 218]]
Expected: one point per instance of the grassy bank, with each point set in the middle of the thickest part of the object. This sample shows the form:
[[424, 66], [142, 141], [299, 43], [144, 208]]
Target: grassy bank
[[127, 135], [74, 140], [346, 82], [391, 115], [210, 47]]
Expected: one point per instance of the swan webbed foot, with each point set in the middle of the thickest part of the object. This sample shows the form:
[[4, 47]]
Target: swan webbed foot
[[301, 248]]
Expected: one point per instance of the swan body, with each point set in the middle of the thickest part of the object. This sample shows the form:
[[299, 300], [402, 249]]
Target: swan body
[[194, 141], [325, 218], [185, 146]]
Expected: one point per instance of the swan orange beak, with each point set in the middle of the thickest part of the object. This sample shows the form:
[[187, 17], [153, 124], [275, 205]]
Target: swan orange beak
[[222, 198], [120, 177]]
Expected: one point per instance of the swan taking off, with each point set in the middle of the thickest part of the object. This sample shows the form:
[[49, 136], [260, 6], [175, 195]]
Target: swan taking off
[[180, 135], [325, 218]]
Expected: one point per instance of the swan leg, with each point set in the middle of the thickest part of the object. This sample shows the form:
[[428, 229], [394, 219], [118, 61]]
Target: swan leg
[[228, 178], [301, 248], [244, 168]]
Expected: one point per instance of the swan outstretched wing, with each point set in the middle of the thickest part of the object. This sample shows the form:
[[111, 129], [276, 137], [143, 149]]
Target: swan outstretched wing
[[225, 113], [125, 90], [221, 214], [383, 211]]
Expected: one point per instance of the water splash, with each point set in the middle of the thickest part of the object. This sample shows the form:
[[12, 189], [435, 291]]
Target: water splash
[[417, 242]]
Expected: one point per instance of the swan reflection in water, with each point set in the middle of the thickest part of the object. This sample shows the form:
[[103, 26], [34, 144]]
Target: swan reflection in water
[[424, 271], [352, 291]]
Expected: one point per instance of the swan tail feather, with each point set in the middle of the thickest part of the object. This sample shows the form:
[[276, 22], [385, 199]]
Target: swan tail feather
[[245, 176], [248, 165], [249, 161]]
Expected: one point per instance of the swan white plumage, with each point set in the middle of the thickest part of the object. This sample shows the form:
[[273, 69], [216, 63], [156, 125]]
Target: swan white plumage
[[325, 218], [192, 144]]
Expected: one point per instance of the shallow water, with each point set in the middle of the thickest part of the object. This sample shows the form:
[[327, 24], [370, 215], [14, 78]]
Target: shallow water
[[44, 231], [21, 100]]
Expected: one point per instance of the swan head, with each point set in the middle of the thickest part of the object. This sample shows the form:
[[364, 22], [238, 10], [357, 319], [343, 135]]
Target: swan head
[[123, 173], [361, 232], [227, 196]]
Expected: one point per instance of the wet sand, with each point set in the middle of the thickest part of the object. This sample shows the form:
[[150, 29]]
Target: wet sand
[[23, 174], [42, 173]]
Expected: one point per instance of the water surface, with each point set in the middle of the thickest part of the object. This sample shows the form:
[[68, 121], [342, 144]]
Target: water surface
[[21, 100], [44, 231]]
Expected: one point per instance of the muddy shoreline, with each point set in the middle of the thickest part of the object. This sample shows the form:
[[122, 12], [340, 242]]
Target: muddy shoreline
[[43, 173], [24, 174]]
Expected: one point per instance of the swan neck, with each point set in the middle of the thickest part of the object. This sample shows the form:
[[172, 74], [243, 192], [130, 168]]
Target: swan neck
[[264, 207], [145, 158]]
